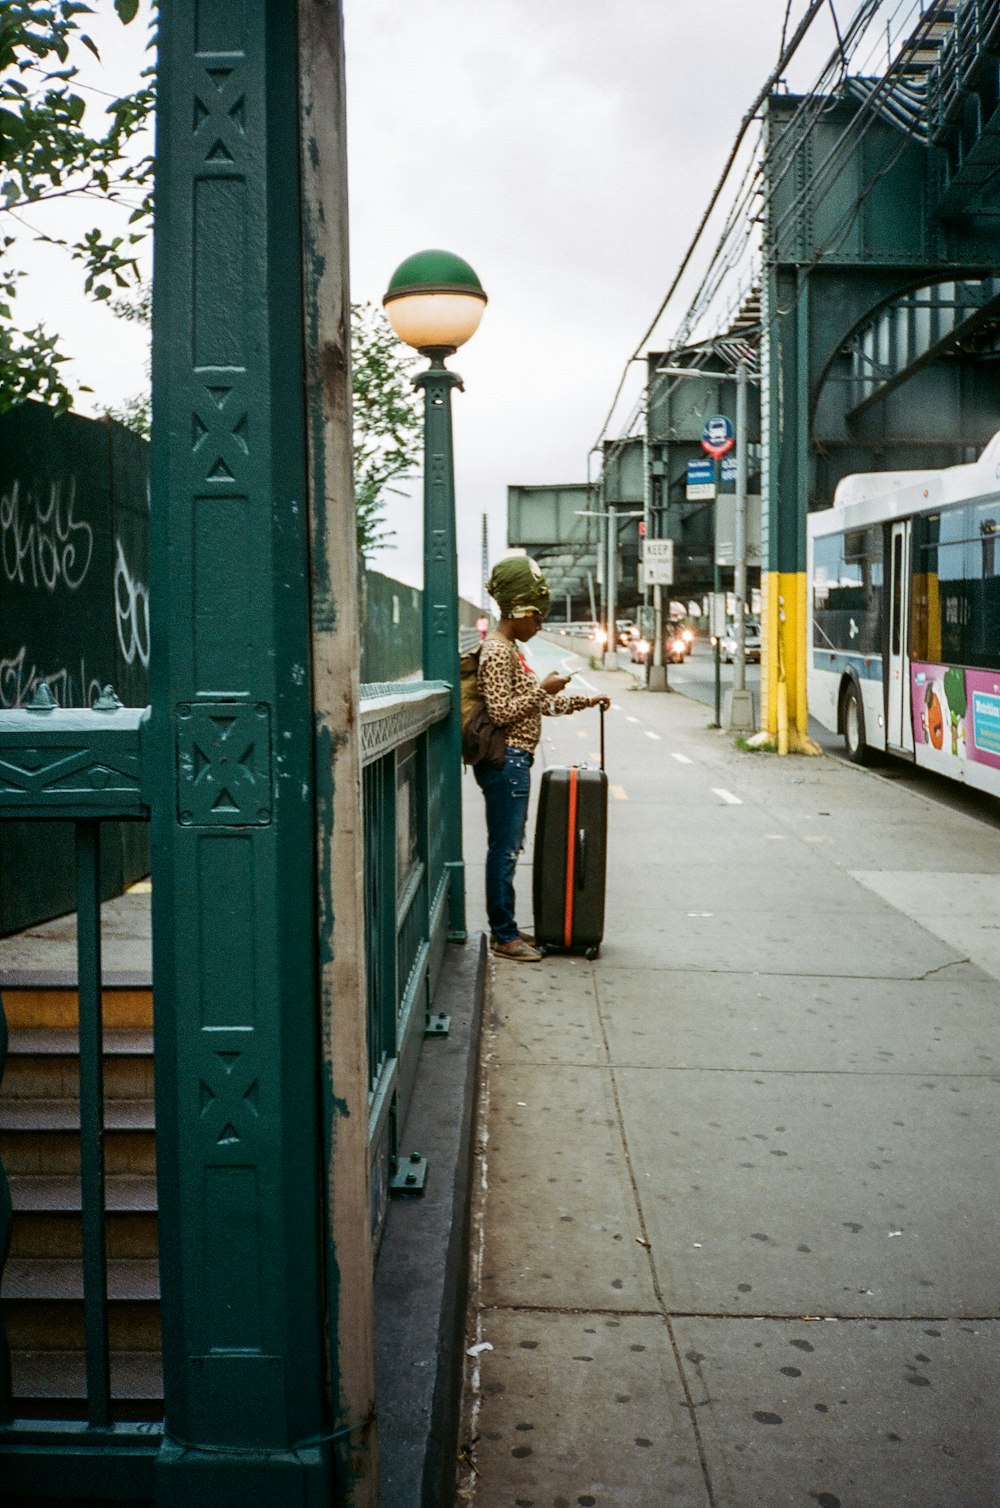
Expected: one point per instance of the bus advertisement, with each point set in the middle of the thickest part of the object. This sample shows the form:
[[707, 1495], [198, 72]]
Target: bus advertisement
[[904, 617]]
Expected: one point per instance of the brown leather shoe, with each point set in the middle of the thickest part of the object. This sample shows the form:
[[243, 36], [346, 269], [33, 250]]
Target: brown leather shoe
[[528, 937], [518, 950]]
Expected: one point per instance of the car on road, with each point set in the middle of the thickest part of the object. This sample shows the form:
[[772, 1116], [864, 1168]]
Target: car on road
[[676, 647], [751, 641]]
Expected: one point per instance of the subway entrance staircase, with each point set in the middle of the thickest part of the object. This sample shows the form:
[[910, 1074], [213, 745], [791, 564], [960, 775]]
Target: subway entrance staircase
[[42, 1292]]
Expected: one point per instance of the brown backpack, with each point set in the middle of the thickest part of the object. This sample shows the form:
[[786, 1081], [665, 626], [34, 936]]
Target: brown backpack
[[482, 741]]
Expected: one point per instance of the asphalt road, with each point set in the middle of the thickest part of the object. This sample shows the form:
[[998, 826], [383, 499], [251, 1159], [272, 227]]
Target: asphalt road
[[695, 678]]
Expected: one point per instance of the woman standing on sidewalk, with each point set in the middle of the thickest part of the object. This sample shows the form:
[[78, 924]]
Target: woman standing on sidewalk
[[516, 701]]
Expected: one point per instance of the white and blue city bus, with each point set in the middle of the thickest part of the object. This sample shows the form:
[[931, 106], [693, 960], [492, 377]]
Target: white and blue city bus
[[904, 617]]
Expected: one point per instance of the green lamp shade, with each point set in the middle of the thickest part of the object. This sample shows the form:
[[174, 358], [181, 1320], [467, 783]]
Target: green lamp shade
[[434, 301]]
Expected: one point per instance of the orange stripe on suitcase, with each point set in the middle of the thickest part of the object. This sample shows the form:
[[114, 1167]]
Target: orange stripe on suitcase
[[570, 860]]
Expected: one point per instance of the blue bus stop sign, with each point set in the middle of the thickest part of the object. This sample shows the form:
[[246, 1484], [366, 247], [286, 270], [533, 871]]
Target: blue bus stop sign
[[717, 437]]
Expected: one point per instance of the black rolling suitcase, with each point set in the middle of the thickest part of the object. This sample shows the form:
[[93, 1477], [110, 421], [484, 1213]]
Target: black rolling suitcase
[[571, 855]]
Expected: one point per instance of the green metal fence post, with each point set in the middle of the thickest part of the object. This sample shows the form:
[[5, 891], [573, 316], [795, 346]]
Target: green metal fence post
[[440, 622], [229, 770]]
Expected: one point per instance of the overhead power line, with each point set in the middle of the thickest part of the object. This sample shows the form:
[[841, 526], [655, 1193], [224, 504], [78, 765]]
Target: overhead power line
[[789, 51]]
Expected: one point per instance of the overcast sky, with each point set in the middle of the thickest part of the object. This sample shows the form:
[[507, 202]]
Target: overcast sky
[[566, 148]]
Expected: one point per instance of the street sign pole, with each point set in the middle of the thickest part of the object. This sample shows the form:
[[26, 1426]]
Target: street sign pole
[[740, 712], [658, 570], [717, 583]]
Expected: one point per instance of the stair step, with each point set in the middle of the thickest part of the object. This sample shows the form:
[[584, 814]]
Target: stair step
[[118, 1041], [55, 1006], [43, 1305], [62, 1280], [47, 1216], [64, 1115], [43, 1063], [123, 1193], [53, 1384], [54, 1148]]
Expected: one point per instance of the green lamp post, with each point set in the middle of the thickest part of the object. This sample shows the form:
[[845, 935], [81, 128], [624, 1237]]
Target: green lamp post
[[434, 303]]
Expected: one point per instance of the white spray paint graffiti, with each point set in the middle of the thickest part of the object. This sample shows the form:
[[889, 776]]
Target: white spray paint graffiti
[[18, 683], [131, 611], [41, 543]]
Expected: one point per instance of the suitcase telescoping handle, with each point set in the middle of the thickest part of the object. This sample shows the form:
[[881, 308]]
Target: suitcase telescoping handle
[[601, 706]]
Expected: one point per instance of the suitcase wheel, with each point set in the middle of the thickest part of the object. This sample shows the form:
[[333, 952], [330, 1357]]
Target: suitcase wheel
[[592, 953]]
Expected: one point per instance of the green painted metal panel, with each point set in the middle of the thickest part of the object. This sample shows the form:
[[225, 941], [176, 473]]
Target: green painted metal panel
[[392, 616], [73, 572], [231, 772]]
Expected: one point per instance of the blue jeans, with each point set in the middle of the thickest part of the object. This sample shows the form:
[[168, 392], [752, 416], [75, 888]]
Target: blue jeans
[[506, 792]]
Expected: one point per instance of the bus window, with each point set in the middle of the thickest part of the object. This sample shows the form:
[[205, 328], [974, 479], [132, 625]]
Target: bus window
[[897, 591], [847, 591]]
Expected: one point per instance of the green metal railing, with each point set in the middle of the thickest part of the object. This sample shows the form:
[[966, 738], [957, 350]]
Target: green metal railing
[[85, 767], [80, 767], [406, 894]]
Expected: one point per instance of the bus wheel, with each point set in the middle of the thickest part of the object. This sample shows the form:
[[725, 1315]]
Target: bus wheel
[[854, 726]]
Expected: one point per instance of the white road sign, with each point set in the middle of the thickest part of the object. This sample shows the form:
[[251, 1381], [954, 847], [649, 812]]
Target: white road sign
[[658, 562]]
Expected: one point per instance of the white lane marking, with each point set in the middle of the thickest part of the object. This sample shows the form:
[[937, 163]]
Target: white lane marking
[[777, 837], [651, 735], [581, 733], [726, 796], [630, 719], [618, 791], [582, 681], [682, 759]]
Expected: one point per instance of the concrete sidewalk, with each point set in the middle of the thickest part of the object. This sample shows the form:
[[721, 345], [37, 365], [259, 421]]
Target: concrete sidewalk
[[737, 1240]]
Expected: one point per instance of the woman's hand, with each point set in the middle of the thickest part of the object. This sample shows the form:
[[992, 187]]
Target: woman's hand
[[554, 683], [600, 701]]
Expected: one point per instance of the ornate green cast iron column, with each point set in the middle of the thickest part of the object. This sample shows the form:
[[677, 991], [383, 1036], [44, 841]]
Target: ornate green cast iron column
[[440, 617], [231, 774]]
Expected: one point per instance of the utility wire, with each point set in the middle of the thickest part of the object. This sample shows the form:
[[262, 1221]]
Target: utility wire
[[787, 54], [803, 117]]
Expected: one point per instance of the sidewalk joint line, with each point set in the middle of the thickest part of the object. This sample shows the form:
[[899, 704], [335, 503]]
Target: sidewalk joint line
[[831, 1073], [688, 1397]]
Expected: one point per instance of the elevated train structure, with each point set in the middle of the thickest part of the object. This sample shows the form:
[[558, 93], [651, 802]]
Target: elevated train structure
[[858, 273]]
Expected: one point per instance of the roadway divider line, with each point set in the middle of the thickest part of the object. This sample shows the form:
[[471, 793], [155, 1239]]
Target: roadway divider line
[[682, 759], [726, 796], [618, 791], [650, 734], [630, 719]]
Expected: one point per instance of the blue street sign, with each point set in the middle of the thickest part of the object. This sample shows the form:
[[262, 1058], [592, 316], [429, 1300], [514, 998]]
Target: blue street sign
[[700, 480], [729, 468]]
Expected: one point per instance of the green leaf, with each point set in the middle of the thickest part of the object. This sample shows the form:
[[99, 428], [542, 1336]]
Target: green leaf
[[127, 10]]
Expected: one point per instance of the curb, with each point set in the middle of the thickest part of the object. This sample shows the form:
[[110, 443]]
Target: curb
[[421, 1274]]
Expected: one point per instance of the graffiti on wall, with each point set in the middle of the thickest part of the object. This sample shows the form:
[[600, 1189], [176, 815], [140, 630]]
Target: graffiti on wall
[[131, 611], [42, 542], [19, 677]]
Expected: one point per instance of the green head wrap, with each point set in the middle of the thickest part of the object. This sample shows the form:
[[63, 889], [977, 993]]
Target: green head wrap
[[518, 588]]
